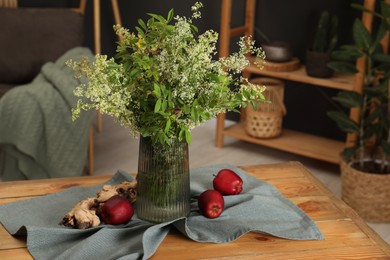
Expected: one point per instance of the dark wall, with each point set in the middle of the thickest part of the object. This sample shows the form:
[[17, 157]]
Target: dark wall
[[287, 20], [292, 21], [295, 23]]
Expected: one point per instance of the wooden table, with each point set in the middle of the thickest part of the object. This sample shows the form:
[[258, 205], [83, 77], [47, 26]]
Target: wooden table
[[346, 234]]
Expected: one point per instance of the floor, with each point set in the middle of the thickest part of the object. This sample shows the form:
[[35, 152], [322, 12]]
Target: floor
[[116, 149]]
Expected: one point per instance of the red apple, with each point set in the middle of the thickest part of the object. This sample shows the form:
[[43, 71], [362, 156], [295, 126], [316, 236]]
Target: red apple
[[211, 203], [117, 210], [227, 182]]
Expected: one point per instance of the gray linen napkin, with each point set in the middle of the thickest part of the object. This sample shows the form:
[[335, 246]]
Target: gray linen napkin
[[260, 208]]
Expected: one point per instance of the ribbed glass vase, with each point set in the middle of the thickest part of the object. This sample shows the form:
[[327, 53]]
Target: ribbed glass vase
[[163, 191]]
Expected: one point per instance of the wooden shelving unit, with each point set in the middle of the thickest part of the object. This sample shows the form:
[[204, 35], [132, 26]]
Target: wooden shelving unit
[[308, 145], [294, 142], [338, 81]]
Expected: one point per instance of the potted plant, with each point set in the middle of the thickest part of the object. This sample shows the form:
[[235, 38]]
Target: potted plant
[[325, 40], [365, 166]]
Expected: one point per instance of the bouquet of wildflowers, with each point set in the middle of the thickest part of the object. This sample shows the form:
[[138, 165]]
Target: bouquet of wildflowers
[[164, 80]]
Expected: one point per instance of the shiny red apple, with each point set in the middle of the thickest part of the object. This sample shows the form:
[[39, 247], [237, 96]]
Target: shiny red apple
[[227, 182], [117, 210], [211, 203]]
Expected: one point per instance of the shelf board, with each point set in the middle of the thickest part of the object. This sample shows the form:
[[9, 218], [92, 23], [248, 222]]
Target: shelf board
[[338, 81], [307, 145]]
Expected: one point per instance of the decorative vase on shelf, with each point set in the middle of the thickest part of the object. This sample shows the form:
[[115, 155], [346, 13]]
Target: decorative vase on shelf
[[317, 64], [163, 180]]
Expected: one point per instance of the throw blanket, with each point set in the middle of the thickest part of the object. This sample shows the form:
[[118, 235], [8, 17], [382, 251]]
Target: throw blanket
[[37, 136]]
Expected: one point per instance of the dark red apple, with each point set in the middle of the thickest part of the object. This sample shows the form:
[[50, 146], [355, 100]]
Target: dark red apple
[[227, 182], [211, 203], [117, 210]]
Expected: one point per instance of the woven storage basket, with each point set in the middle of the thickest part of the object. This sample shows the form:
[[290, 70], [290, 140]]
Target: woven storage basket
[[266, 121], [368, 194]]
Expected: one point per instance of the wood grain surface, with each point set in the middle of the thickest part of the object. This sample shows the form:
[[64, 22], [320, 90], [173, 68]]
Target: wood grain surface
[[347, 236]]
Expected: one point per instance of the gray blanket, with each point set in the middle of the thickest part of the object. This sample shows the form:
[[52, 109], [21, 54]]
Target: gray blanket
[[37, 136], [259, 208]]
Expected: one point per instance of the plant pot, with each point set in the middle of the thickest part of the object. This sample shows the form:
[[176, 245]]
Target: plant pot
[[316, 64], [367, 193], [163, 189]]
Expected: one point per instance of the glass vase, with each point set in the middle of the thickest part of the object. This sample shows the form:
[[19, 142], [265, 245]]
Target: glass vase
[[163, 191]]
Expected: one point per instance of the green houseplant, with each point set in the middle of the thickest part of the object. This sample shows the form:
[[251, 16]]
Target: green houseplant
[[365, 166], [164, 82], [324, 42]]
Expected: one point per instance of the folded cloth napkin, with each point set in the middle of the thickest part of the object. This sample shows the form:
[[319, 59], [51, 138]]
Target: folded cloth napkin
[[259, 208]]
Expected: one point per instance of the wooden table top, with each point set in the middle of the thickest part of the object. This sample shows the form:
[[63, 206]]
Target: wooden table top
[[346, 234]]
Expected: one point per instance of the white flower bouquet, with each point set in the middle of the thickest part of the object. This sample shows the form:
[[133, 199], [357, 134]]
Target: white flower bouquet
[[164, 80]]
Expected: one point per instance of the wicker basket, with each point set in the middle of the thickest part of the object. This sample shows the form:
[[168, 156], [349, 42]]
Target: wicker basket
[[266, 121], [368, 194]]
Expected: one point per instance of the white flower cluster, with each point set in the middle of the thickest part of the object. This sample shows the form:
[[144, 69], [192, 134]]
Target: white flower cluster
[[196, 14], [166, 81]]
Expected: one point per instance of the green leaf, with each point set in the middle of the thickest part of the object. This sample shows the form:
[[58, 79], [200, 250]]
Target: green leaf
[[343, 122], [378, 91], [386, 147], [170, 15], [349, 99], [386, 24], [150, 22], [346, 55], [254, 104], [321, 33], [342, 67], [333, 33], [372, 116], [384, 67], [194, 114], [246, 95], [167, 126], [381, 57], [133, 72], [379, 36], [186, 109], [361, 35], [194, 28], [142, 24], [157, 90], [181, 133], [128, 66], [385, 9], [349, 152], [158, 18], [157, 106], [164, 105], [362, 8], [188, 136], [165, 139], [349, 47], [140, 31]]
